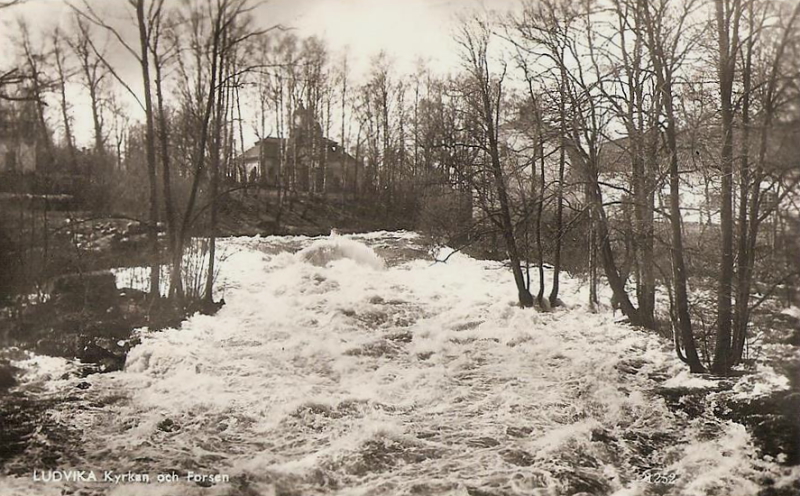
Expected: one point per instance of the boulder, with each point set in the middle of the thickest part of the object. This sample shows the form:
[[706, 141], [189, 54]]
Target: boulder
[[133, 228], [7, 379], [96, 289]]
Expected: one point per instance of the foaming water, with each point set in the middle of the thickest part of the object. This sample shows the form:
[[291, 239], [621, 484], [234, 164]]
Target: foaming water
[[328, 372], [323, 251]]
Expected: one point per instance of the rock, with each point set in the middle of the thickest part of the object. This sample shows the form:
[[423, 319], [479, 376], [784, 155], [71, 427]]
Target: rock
[[520, 458], [133, 241], [401, 337], [483, 442], [83, 385], [630, 366], [688, 400], [204, 483], [133, 293], [103, 244], [208, 307], [96, 289], [92, 353], [772, 421], [133, 228], [581, 481], [478, 491], [424, 355], [112, 364], [518, 431], [168, 425], [7, 379], [602, 436]]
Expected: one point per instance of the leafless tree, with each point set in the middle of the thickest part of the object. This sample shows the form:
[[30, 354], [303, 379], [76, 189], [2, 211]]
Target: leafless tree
[[666, 53], [33, 60], [483, 93], [93, 72], [62, 73]]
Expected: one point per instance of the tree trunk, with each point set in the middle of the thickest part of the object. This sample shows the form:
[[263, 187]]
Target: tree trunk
[[176, 281], [216, 145], [539, 211], [723, 359], [740, 316], [525, 298], [524, 295], [592, 248], [643, 239], [62, 88], [562, 157], [603, 243], [155, 268], [756, 175], [684, 334], [678, 266], [96, 119]]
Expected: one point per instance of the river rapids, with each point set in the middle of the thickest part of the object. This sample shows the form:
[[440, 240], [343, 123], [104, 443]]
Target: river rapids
[[356, 365]]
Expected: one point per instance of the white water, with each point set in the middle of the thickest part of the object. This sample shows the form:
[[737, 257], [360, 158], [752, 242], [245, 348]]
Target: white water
[[346, 376]]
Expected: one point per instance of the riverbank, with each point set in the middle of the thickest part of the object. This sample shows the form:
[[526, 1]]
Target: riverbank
[[55, 244]]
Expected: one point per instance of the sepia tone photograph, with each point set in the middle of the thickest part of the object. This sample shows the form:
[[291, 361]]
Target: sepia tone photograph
[[400, 247]]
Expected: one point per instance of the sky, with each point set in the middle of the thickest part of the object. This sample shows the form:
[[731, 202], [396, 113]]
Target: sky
[[407, 30]]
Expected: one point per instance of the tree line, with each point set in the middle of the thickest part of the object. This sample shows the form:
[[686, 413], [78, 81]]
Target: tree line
[[594, 71]]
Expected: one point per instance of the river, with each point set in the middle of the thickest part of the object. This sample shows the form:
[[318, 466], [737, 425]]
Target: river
[[354, 365]]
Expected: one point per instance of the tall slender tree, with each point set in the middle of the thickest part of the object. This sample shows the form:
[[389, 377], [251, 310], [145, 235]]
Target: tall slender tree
[[483, 93], [666, 58]]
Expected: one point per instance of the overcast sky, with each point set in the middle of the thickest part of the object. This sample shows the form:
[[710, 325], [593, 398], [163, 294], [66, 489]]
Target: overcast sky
[[406, 29]]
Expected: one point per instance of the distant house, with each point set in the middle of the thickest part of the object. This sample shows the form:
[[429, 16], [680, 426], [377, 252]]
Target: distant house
[[306, 161], [700, 176], [333, 167], [16, 155], [260, 162], [18, 138]]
